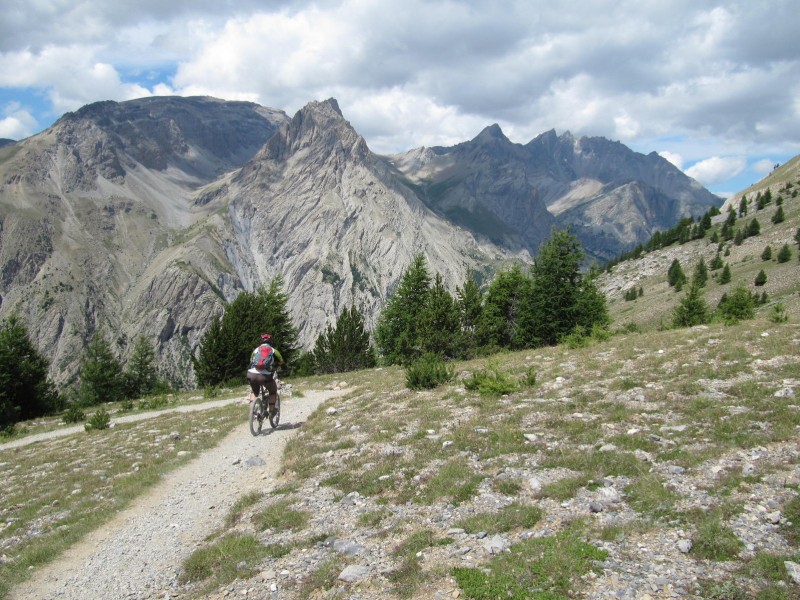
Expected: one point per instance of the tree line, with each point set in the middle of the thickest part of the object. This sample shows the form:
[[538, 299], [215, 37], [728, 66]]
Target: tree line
[[26, 391]]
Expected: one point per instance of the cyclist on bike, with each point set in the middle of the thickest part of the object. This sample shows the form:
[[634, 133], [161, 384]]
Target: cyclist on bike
[[265, 376]]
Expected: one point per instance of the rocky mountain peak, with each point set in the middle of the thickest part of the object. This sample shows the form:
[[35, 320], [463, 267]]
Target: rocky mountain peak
[[317, 127], [492, 133]]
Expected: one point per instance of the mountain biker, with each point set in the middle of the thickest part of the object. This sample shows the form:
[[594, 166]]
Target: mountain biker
[[265, 377]]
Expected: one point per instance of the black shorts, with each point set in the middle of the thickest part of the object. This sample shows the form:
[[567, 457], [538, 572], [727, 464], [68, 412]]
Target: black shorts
[[258, 379]]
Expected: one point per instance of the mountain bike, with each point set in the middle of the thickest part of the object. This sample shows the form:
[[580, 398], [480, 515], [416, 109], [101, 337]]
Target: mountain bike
[[259, 409]]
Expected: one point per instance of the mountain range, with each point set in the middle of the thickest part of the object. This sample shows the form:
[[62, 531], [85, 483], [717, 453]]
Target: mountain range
[[146, 217]]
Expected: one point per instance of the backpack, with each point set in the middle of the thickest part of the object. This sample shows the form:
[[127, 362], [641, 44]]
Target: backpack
[[263, 358]]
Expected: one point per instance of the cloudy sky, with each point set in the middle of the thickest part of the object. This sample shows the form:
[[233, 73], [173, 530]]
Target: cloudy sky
[[714, 86]]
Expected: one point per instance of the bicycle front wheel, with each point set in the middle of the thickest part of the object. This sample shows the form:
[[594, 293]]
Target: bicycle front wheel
[[256, 416], [275, 415]]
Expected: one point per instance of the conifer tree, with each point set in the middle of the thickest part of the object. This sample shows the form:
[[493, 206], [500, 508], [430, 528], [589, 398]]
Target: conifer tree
[[100, 375], [227, 346], [784, 254], [753, 228], [397, 330], [140, 372], [767, 253], [550, 310], [470, 307], [25, 390], [743, 206], [277, 322], [675, 275], [441, 323], [499, 321], [692, 309], [761, 278], [700, 276], [211, 355], [345, 347], [778, 217], [716, 262], [725, 276], [737, 306]]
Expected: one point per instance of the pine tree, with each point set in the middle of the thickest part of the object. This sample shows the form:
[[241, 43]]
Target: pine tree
[[778, 217], [691, 310], [737, 306], [700, 275], [767, 253], [550, 310], [753, 228], [226, 348], [140, 373], [784, 254], [397, 329], [675, 275], [716, 262], [470, 306], [499, 321], [346, 347], [211, 354], [591, 307], [25, 390], [725, 276], [743, 206], [441, 323], [100, 375], [761, 278], [277, 322]]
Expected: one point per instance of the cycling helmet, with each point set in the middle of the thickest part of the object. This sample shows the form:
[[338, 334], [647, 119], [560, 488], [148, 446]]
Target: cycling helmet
[[266, 338]]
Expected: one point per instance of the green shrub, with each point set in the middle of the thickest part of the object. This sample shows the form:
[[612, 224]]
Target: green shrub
[[99, 420], [491, 382], [74, 414], [154, 402], [428, 372], [778, 314], [529, 379], [736, 306]]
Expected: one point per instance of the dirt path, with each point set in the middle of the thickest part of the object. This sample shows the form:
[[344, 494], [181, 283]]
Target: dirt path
[[64, 431], [138, 554]]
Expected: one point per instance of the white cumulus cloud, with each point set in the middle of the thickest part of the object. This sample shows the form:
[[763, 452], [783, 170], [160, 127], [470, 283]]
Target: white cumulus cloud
[[673, 157], [717, 169], [17, 122]]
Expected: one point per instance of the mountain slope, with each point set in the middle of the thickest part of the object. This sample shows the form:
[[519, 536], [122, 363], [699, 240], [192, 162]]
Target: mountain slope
[[344, 235], [133, 219], [612, 197], [93, 238]]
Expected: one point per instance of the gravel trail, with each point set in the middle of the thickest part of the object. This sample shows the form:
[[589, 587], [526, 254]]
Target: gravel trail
[[138, 554]]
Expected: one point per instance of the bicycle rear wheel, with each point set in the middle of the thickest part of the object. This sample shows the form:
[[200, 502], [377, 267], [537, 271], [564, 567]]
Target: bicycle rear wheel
[[275, 415], [256, 415]]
